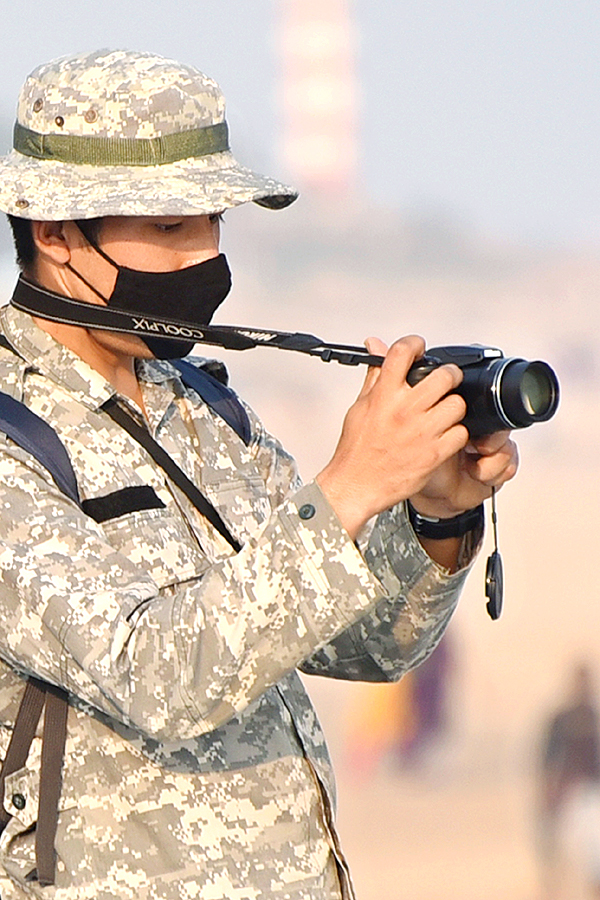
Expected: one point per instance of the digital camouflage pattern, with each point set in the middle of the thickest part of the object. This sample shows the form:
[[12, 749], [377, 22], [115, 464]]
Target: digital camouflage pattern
[[103, 105], [195, 767]]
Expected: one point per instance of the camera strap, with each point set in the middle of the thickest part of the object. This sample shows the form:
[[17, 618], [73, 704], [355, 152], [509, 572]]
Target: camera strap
[[37, 301]]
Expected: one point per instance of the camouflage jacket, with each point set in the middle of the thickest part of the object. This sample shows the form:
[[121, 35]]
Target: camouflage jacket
[[195, 766]]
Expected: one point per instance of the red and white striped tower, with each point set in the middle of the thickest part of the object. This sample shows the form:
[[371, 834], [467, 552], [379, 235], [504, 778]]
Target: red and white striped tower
[[319, 96]]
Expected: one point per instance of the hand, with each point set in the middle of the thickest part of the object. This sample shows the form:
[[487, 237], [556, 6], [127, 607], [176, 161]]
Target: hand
[[467, 479], [395, 437]]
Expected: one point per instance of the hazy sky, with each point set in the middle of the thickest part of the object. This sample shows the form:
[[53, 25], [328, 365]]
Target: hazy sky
[[485, 110]]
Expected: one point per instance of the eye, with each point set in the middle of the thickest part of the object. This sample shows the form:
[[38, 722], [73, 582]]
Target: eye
[[165, 227], [216, 217]]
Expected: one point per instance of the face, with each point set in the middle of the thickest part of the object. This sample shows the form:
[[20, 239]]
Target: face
[[148, 244], [145, 243]]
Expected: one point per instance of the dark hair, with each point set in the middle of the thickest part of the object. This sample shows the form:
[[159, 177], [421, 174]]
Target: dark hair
[[25, 248], [23, 240]]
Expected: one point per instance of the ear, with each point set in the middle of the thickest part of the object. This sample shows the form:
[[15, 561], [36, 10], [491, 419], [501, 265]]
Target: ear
[[51, 241]]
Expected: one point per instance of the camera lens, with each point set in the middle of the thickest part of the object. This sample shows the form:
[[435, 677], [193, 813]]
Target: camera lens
[[526, 392]]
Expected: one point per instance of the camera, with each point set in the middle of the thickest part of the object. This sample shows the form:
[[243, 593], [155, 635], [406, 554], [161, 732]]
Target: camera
[[500, 392]]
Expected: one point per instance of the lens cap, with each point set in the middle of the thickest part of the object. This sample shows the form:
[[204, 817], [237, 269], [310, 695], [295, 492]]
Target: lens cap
[[494, 585]]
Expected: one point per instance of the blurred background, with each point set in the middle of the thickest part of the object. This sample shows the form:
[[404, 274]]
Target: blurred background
[[447, 157]]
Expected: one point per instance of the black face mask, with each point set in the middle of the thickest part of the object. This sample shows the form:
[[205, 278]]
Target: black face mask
[[191, 294]]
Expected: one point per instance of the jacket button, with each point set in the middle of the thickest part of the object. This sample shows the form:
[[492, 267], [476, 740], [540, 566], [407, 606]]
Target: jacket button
[[18, 801], [307, 511]]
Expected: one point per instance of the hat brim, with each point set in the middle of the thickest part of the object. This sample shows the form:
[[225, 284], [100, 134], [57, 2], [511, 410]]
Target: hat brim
[[46, 190]]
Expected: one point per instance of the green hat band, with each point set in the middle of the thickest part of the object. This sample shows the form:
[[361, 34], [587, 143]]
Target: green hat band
[[106, 151]]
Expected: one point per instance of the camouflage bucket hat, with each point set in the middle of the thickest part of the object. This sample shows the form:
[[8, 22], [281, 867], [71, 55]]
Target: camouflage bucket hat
[[121, 133]]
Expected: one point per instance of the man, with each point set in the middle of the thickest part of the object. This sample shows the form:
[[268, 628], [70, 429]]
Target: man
[[569, 797], [194, 765]]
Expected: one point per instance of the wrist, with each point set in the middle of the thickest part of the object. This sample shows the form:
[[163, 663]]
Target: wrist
[[344, 503], [435, 507]]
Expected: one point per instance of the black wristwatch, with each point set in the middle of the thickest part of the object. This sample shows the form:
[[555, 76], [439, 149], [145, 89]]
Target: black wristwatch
[[439, 529]]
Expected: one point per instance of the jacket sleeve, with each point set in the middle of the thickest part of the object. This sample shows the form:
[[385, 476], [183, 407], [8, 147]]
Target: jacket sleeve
[[407, 624]]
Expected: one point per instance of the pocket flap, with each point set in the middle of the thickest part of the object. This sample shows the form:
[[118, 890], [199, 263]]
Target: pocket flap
[[22, 796]]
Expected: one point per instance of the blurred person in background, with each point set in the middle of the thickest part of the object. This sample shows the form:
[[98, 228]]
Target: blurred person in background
[[161, 607], [569, 800]]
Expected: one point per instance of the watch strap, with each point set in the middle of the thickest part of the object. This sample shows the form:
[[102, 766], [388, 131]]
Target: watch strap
[[439, 529]]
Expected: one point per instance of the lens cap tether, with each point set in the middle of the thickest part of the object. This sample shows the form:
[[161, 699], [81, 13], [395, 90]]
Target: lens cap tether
[[494, 573]]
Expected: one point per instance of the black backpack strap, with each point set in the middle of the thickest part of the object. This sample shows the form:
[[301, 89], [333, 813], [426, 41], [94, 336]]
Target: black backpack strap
[[217, 395]]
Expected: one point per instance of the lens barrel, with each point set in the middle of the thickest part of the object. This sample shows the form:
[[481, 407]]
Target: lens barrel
[[508, 393]]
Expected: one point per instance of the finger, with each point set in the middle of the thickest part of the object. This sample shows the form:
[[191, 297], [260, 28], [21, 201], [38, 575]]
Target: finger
[[496, 469], [437, 384], [447, 412], [400, 358], [489, 443], [376, 347], [451, 441]]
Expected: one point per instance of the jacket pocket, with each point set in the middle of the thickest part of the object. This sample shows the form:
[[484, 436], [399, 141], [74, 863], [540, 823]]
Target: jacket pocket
[[160, 542]]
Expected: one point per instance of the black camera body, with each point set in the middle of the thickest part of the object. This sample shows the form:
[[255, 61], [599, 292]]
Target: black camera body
[[500, 392]]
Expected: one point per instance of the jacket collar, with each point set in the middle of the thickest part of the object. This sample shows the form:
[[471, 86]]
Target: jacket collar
[[44, 354]]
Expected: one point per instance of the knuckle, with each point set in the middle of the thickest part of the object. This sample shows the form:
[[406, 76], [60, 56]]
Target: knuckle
[[452, 373], [456, 406], [410, 345]]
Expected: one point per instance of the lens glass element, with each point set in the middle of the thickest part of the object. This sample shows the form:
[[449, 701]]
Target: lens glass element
[[536, 391]]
